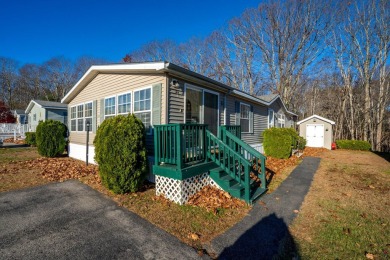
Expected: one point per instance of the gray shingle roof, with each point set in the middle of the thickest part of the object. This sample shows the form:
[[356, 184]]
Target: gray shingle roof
[[19, 111], [44, 103], [268, 98]]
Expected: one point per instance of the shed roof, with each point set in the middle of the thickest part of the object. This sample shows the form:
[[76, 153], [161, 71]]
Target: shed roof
[[318, 117]]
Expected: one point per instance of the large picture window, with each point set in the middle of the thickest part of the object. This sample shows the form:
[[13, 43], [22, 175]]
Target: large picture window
[[73, 120], [124, 103], [142, 107], [245, 118], [109, 107]]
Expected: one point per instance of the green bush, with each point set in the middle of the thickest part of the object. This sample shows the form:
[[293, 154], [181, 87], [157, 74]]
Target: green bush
[[31, 138], [278, 142], [353, 145], [120, 151], [50, 138]]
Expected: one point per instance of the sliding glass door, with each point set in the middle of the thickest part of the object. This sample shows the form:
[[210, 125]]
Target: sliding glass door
[[202, 107]]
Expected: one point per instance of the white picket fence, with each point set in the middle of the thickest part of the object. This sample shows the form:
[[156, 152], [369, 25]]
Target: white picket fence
[[13, 130]]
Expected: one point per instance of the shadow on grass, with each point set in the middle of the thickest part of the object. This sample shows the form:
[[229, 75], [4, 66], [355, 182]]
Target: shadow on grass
[[268, 239], [384, 155]]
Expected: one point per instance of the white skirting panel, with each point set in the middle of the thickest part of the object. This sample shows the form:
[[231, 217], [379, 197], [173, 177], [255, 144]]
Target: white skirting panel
[[258, 147], [78, 151]]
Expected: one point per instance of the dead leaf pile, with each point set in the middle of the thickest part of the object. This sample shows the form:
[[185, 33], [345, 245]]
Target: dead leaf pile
[[275, 165], [11, 140], [212, 199], [61, 169], [314, 152]]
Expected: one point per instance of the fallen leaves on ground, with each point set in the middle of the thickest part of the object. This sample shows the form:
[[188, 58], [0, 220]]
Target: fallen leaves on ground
[[314, 152], [11, 140], [213, 199], [275, 165], [61, 169]]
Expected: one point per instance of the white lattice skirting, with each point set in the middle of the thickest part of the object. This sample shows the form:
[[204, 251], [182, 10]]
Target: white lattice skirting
[[179, 191]]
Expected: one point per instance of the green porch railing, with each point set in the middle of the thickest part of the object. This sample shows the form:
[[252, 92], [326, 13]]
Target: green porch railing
[[234, 129], [248, 152], [179, 144], [230, 161]]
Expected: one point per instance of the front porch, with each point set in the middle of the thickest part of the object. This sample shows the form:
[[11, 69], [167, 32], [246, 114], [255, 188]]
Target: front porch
[[189, 157]]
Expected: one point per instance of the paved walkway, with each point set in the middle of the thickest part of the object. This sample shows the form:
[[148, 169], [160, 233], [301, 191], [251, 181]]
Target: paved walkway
[[259, 234], [70, 220]]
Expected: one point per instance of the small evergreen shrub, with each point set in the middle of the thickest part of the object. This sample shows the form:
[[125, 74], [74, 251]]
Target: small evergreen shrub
[[120, 151], [31, 138], [353, 145], [50, 138], [278, 142]]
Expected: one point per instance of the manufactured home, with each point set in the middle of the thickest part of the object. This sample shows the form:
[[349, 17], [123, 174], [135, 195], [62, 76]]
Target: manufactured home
[[40, 110], [171, 100]]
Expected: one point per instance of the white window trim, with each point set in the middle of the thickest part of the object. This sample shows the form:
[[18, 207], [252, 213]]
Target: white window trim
[[117, 103], [78, 118], [83, 118], [249, 118], [202, 90], [282, 120], [73, 119], [273, 117], [115, 107], [143, 111]]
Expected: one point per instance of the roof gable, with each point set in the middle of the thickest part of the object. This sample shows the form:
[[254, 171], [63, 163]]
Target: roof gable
[[45, 104], [318, 117]]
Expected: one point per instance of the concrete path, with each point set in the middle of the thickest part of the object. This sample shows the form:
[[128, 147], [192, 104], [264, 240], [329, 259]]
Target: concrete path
[[70, 220], [259, 234]]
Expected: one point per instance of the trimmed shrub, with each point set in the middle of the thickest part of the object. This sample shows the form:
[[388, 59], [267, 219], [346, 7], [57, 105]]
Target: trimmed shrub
[[31, 138], [353, 145], [278, 142], [120, 151], [50, 138]]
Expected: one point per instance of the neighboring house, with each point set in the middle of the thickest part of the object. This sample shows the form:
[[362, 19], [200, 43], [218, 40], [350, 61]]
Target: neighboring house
[[317, 131], [40, 110], [162, 93], [20, 115]]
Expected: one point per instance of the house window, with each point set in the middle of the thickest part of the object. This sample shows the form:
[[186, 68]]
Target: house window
[[73, 120], [124, 103], [245, 118], [109, 107], [35, 117], [88, 115], [281, 120], [142, 107], [271, 121], [80, 118]]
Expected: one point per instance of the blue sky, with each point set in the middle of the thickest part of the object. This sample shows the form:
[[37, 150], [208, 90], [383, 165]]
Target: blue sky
[[35, 31]]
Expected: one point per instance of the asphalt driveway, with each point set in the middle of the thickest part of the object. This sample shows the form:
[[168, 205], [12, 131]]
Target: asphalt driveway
[[70, 220]]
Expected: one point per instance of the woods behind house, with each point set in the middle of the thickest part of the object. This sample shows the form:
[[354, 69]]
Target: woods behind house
[[329, 58]]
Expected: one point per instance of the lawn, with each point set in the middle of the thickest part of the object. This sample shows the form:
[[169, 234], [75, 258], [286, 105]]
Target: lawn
[[346, 214]]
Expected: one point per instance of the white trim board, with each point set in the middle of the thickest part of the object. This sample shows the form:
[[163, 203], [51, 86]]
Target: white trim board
[[315, 116]]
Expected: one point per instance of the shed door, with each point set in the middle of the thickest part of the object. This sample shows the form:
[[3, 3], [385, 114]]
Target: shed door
[[315, 135]]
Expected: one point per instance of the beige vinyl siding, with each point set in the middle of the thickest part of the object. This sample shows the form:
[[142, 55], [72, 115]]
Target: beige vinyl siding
[[260, 119], [105, 85]]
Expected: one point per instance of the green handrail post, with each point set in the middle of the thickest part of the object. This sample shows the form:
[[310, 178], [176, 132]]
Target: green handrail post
[[156, 145]]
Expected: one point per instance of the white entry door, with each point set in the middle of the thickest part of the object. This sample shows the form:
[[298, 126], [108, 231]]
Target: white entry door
[[315, 135]]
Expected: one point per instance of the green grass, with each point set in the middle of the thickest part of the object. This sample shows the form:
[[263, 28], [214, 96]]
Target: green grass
[[18, 154]]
